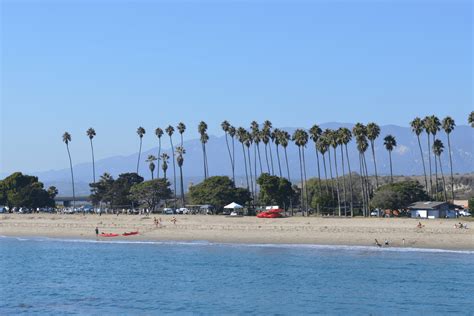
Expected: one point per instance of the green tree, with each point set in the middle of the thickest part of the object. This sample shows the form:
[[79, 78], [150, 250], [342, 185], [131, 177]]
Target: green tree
[[275, 190], [300, 137], [314, 133], [470, 119], [276, 139], [232, 132], [322, 145], [19, 190], [140, 132], [284, 138], [159, 134], [345, 136], [181, 129], [241, 135], [333, 138], [67, 140], [101, 189], [150, 193], [119, 193], [398, 195], [52, 192], [448, 126], [202, 129], [91, 134], [164, 163], [218, 191], [267, 131], [256, 136], [390, 142]]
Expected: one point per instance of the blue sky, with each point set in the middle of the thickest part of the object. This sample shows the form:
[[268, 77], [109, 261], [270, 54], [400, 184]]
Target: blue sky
[[116, 65]]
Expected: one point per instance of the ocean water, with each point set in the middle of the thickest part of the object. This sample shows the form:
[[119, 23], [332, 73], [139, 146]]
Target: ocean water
[[45, 276]]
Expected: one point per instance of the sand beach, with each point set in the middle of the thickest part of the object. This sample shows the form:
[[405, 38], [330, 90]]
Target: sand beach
[[400, 232]]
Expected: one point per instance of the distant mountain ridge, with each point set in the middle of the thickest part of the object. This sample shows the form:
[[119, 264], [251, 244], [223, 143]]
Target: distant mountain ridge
[[406, 158]]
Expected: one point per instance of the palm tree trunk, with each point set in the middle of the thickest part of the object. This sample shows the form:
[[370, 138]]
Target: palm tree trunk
[[362, 186], [330, 172], [442, 177], [319, 176], [93, 161], [259, 159], [278, 158], [266, 158], [451, 167], [391, 172], [251, 178], [151, 174], [271, 158], [436, 178], [326, 174], [159, 155], [245, 163], [230, 156], [337, 182], [344, 182], [429, 162], [182, 185], [139, 154], [372, 146], [233, 160], [174, 169], [72, 179], [287, 166], [302, 181], [350, 180], [367, 184], [305, 179], [423, 161], [204, 160]]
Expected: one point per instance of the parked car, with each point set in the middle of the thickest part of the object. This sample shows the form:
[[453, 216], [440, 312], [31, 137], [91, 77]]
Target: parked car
[[464, 213], [182, 210], [168, 211], [3, 209], [376, 212]]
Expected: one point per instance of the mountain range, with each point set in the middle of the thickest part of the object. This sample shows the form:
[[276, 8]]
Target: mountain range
[[406, 159]]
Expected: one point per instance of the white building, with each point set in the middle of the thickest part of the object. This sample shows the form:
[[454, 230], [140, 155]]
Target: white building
[[429, 210]]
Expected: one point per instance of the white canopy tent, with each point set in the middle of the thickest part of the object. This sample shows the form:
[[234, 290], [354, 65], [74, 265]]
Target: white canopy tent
[[233, 206]]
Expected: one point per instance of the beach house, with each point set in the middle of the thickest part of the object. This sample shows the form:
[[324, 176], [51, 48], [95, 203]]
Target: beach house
[[429, 209]]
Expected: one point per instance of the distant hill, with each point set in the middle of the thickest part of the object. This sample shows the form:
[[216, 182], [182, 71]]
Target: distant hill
[[406, 159]]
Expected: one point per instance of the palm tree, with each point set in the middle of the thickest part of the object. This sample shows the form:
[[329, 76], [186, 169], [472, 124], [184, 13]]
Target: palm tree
[[438, 148], [448, 127], [276, 139], [267, 129], [180, 151], [158, 133], [67, 140], [225, 127], [426, 126], [434, 125], [300, 137], [241, 135], [151, 164], [232, 131], [390, 142], [91, 133], [345, 137], [303, 141], [284, 139], [470, 119], [170, 130], [248, 143], [202, 129], [340, 137], [314, 133], [140, 132], [327, 137], [164, 159], [373, 131], [333, 139], [417, 128], [322, 146], [360, 132], [256, 138], [181, 129]]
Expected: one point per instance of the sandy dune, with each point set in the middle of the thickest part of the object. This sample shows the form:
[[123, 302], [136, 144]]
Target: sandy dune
[[294, 230]]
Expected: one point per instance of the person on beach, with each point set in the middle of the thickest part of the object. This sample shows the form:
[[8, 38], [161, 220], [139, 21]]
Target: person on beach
[[97, 231], [387, 243], [377, 243], [420, 225], [174, 220]]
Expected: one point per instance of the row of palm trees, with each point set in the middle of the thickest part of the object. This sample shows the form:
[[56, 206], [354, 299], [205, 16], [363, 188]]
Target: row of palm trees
[[364, 135]]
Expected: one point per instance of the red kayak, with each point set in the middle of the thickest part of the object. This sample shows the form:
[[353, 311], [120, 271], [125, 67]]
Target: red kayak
[[269, 215], [130, 233], [108, 235]]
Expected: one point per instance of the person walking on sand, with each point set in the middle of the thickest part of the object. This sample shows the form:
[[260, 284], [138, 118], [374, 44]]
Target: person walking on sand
[[377, 243], [174, 220], [97, 231]]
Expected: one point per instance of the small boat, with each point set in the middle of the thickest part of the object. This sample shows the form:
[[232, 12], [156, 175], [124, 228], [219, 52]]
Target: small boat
[[130, 233], [108, 235]]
